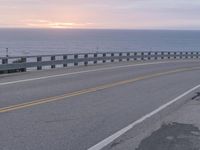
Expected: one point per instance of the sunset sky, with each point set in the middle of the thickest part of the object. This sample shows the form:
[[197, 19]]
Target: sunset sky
[[115, 14]]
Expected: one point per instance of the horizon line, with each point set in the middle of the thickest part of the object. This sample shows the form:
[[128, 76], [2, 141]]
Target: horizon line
[[167, 29]]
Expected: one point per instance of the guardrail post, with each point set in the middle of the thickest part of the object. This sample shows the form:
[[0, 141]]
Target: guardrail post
[[197, 55], [65, 60], [39, 59], [174, 55], [76, 60], [53, 58], [181, 55], [156, 55], [23, 60], [186, 54], [149, 55], [104, 55], [192, 55], [95, 58], [112, 57], [168, 55], [5, 61], [120, 56], [86, 61], [128, 56], [135, 55], [162, 55], [142, 56]]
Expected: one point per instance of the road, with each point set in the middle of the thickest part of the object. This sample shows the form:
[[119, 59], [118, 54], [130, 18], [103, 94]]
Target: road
[[74, 109]]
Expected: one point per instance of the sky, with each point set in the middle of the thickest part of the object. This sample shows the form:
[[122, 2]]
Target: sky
[[111, 14]]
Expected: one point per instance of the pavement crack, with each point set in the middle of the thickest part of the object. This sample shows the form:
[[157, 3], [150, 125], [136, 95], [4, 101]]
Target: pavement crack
[[196, 97]]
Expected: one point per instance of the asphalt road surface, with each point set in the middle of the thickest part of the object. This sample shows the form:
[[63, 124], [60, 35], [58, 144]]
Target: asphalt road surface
[[74, 109]]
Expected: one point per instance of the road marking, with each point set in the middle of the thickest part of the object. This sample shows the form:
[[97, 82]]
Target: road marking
[[90, 90], [87, 71], [119, 133]]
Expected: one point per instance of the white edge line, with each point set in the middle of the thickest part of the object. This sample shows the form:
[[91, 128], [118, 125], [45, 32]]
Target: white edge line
[[119, 133], [80, 72]]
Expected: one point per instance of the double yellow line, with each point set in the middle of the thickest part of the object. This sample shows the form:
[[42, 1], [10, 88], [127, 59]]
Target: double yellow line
[[90, 90]]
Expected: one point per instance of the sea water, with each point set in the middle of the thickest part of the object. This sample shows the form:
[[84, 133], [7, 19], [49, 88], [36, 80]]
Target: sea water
[[64, 41]]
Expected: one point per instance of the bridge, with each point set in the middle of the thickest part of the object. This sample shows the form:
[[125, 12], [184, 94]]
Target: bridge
[[73, 107]]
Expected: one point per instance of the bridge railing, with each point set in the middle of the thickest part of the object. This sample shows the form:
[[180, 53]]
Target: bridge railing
[[22, 63]]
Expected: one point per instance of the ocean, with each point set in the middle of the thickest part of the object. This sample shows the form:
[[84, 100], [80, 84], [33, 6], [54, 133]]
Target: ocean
[[63, 41]]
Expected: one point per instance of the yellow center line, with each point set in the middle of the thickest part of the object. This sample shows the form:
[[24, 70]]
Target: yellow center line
[[90, 90]]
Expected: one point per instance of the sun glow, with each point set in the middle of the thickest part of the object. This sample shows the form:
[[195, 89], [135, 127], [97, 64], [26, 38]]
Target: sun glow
[[51, 24], [61, 25]]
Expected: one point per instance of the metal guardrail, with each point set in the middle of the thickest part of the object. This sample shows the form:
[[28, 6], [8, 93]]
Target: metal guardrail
[[22, 63]]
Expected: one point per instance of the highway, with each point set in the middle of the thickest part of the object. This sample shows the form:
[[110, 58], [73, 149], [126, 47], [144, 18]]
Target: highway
[[76, 108]]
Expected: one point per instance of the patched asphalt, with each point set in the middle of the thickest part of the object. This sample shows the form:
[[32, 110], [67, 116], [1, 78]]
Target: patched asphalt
[[173, 136]]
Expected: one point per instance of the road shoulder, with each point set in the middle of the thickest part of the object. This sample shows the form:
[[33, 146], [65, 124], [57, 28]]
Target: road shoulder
[[180, 130]]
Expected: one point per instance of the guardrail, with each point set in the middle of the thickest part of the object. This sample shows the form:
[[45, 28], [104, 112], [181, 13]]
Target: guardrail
[[22, 63]]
